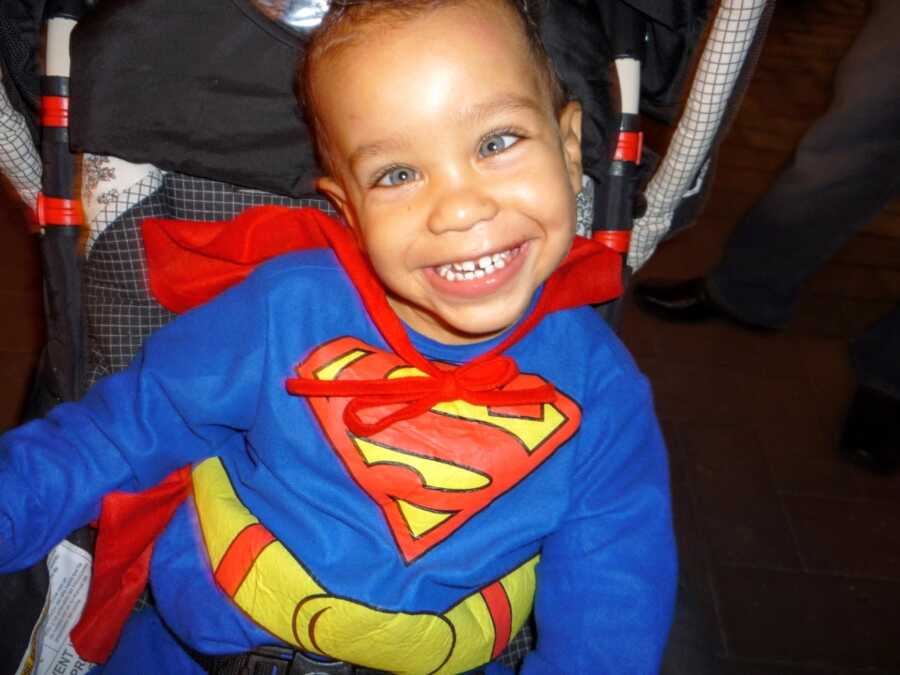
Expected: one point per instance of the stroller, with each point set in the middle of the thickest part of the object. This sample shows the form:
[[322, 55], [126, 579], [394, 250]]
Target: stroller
[[99, 309]]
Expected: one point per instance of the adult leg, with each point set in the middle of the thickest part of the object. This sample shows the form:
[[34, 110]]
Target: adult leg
[[871, 434], [843, 172], [876, 355]]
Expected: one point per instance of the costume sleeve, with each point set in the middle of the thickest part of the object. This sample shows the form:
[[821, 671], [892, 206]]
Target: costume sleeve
[[606, 579], [192, 389]]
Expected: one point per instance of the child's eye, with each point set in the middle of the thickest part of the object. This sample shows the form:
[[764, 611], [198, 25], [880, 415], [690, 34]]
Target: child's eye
[[397, 175], [497, 143]]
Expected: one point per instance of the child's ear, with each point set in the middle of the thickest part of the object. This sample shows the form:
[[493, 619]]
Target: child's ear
[[570, 134], [338, 196]]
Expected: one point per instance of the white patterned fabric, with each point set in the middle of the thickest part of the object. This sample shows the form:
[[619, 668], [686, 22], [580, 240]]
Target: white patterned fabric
[[110, 186], [120, 311], [685, 164], [19, 159], [584, 207]]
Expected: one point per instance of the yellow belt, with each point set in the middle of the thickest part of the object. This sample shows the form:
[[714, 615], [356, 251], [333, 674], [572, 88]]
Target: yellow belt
[[277, 592]]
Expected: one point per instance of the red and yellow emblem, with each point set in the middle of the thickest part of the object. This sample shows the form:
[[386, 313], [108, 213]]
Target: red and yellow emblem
[[431, 474]]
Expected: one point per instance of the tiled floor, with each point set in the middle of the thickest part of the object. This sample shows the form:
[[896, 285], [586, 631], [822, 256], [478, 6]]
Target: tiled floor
[[794, 556]]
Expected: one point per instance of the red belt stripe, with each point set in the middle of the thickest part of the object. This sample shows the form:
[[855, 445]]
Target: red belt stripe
[[501, 614], [240, 556]]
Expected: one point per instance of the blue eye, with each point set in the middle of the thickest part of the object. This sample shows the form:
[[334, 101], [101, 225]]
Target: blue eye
[[396, 176], [497, 143]]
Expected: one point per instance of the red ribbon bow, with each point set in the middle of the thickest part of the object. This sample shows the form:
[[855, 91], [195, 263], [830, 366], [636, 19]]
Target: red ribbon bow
[[478, 382]]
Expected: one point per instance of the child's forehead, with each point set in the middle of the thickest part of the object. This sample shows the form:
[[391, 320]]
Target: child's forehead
[[477, 49], [450, 33]]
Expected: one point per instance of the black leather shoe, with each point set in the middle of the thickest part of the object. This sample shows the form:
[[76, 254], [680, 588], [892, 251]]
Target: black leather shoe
[[871, 436], [680, 301]]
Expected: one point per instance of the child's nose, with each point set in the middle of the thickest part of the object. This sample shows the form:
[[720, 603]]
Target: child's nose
[[461, 203]]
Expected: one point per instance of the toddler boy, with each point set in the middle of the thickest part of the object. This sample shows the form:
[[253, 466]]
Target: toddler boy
[[388, 507]]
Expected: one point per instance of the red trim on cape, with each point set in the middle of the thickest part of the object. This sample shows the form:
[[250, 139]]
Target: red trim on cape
[[128, 528], [191, 262]]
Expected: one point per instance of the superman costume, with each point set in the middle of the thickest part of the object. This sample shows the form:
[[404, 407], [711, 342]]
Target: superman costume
[[410, 535]]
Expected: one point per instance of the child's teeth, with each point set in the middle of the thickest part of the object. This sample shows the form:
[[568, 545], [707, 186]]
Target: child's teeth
[[476, 269]]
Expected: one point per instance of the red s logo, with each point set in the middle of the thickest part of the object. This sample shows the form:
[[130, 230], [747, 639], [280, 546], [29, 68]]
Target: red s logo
[[431, 474]]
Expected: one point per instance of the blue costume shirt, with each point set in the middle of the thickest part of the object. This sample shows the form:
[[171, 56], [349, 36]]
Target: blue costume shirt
[[442, 529]]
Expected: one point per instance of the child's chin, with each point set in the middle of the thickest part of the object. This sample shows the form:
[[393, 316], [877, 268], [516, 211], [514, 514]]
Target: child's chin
[[476, 329]]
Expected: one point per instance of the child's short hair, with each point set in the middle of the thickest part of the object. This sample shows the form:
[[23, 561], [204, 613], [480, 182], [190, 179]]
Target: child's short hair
[[344, 16]]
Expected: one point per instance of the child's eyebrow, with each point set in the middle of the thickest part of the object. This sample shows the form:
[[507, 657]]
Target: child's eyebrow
[[377, 148], [475, 113], [502, 104]]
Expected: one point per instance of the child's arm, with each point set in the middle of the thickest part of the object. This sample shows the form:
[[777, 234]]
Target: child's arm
[[191, 389], [606, 580]]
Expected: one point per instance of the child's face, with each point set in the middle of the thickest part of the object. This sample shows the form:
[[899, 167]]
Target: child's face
[[451, 165]]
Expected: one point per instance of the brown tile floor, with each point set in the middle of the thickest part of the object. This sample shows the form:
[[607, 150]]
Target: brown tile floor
[[795, 555]]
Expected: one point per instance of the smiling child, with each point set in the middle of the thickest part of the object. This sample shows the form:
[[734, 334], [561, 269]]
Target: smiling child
[[459, 443], [446, 147]]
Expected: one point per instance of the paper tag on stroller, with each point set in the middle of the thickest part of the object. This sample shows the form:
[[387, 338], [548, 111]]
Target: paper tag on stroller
[[50, 651]]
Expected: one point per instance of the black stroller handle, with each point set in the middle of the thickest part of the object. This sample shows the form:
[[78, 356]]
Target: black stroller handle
[[630, 34], [627, 48], [60, 222]]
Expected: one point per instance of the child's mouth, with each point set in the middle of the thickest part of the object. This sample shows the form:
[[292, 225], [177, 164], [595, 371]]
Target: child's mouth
[[479, 277], [485, 266]]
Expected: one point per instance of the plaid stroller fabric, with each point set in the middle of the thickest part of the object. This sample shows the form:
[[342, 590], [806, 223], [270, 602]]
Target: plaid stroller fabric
[[120, 311], [19, 159], [676, 192]]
